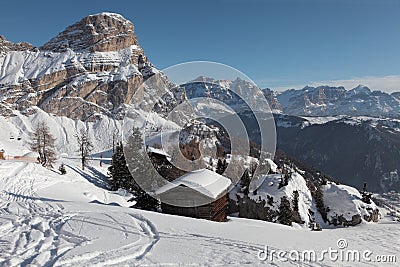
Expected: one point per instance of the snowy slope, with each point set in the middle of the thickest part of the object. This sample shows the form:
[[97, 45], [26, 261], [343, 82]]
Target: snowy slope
[[18, 66], [344, 200], [64, 130], [269, 187]]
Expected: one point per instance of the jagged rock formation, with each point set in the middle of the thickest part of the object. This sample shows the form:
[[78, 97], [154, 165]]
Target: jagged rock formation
[[93, 67], [103, 32], [6, 46], [273, 102]]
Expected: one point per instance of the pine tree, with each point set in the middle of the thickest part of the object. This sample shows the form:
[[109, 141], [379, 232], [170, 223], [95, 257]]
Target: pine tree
[[281, 183], [253, 167], [85, 147], [220, 167], [62, 169], [42, 142], [285, 214], [286, 181], [319, 202], [270, 200], [120, 177], [295, 204], [144, 201], [245, 182], [366, 196], [295, 200], [142, 171]]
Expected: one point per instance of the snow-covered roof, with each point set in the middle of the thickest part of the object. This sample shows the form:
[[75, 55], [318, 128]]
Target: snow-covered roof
[[157, 151], [204, 181], [31, 155]]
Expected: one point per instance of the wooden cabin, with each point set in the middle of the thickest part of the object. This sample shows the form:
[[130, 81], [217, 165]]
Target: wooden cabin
[[198, 194], [2, 154]]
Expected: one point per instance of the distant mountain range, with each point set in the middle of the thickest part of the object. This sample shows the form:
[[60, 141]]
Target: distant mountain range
[[332, 101]]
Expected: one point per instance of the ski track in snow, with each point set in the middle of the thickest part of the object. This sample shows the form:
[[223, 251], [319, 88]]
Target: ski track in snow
[[37, 231]]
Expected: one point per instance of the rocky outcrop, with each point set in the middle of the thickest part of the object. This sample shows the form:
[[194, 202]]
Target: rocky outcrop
[[7, 46], [103, 32], [251, 209], [341, 221], [373, 215], [273, 102]]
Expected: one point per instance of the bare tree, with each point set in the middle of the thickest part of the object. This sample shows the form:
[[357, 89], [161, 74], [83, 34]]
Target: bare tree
[[85, 147], [42, 142]]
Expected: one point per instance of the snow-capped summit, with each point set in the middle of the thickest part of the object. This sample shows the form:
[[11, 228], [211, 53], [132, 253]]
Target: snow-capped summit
[[360, 89], [102, 32]]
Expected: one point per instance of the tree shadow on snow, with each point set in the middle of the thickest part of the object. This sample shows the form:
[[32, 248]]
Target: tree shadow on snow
[[23, 197], [97, 178]]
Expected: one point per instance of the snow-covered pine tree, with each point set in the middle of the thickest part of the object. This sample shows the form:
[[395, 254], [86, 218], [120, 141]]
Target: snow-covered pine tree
[[366, 196], [218, 169], [85, 147], [141, 169], [253, 167], [285, 213], [295, 204], [281, 182], [42, 142], [120, 177], [319, 203], [245, 182], [221, 166]]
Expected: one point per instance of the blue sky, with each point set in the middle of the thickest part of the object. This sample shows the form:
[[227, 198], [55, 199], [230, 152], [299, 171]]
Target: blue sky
[[276, 43]]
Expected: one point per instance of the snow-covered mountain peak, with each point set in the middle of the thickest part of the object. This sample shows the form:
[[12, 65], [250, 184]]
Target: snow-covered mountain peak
[[360, 89], [103, 32], [93, 67]]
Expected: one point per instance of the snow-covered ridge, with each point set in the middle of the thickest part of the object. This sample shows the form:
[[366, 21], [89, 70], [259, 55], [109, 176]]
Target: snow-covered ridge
[[332, 101], [343, 203], [19, 66]]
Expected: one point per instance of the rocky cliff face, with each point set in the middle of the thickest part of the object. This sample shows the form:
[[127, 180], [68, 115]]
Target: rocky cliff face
[[273, 102], [103, 32], [93, 67]]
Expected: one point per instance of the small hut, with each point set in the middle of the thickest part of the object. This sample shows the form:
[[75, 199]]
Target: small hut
[[198, 194], [2, 156]]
